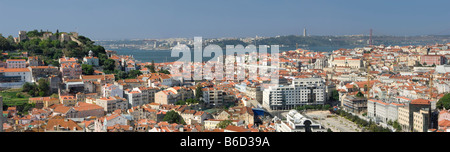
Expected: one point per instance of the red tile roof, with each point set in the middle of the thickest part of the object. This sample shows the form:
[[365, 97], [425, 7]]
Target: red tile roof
[[420, 101]]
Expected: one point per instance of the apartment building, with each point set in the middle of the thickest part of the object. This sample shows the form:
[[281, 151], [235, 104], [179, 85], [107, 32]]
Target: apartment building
[[406, 117], [213, 97], [302, 91], [71, 70], [421, 120], [109, 90], [344, 61], [38, 72], [380, 111], [433, 59], [111, 104], [16, 63], [14, 77], [134, 97]]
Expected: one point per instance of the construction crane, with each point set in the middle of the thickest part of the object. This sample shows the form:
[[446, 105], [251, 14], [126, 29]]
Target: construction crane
[[431, 86], [368, 67]]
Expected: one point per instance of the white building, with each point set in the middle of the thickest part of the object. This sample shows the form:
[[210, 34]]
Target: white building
[[109, 90], [134, 97], [380, 111], [298, 123], [91, 60], [392, 114], [308, 91], [103, 123], [14, 77]]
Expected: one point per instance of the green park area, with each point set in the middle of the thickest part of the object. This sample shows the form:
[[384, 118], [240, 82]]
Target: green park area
[[16, 98]]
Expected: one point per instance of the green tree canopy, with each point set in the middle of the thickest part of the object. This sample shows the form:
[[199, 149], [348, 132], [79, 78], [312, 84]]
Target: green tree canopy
[[87, 69], [359, 94], [223, 124], [335, 95], [180, 102], [133, 74], [173, 117], [109, 65], [43, 87], [444, 102]]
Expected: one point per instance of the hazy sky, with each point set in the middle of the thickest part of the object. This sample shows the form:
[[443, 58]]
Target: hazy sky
[[130, 19]]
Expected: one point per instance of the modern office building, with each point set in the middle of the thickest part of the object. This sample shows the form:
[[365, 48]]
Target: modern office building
[[418, 111]]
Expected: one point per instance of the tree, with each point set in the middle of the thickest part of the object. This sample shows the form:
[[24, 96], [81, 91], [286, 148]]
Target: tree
[[335, 95], [173, 117], [134, 73], [152, 67], [4, 44], [191, 101], [120, 74], [223, 124], [359, 94], [164, 71], [180, 102], [397, 126], [109, 64], [27, 87], [87, 69], [198, 92], [19, 95], [444, 102], [43, 87]]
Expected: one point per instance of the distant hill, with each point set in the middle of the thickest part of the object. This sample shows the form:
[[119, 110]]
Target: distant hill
[[293, 40]]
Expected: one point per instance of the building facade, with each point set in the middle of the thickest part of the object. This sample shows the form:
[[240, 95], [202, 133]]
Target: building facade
[[16, 63], [307, 91]]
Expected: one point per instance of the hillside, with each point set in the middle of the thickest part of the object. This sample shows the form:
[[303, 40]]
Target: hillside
[[50, 46]]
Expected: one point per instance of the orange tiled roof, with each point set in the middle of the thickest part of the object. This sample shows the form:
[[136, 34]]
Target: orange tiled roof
[[420, 101]]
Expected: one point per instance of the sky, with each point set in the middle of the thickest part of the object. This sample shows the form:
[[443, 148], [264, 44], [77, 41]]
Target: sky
[[149, 19]]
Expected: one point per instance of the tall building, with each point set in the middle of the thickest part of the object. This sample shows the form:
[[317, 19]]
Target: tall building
[[415, 116], [307, 91], [304, 32], [213, 97]]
